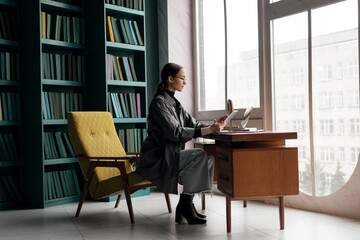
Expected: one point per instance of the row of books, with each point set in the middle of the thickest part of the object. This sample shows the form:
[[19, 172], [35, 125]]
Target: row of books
[[57, 145], [125, 105], [8, 26], [9, 65], [123, 31], [10, 106], [9, 191], [63, 28], [8, 147], [121, 68], [56, 105], [62, 66], [134, 4], [60, 184], [132, 139]]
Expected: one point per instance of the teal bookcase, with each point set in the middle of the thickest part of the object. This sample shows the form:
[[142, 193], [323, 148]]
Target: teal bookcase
[[10, 107]]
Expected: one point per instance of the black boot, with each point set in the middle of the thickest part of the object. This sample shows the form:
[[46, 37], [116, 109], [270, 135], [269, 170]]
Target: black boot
[[184, 209], [199, 215]]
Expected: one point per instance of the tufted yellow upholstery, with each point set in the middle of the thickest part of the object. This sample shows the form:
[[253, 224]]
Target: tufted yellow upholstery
[[94, 134]]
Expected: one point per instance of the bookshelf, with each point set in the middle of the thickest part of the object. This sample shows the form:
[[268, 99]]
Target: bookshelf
[[105, 60], [67, 59], [53, 40], [10, 109]]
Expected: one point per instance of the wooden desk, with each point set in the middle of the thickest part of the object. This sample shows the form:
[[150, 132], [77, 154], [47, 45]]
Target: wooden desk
[[254, 166]]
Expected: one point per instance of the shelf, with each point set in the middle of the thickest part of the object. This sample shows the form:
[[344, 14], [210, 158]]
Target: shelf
[[49, 162], [8, 205], [59, 201], [111, 8], [10, 43], [62, 83], [9, 123], [124, 46], [129, 120], [48, 4], [61, 44], [8, 3], [55, 121], [9, 163], [9, 83], [126, 83]]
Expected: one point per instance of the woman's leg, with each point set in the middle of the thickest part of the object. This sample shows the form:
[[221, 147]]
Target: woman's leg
[[196, 175]]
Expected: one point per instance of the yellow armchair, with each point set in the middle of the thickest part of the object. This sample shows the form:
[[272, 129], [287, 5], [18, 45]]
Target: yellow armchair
[[104, 164]]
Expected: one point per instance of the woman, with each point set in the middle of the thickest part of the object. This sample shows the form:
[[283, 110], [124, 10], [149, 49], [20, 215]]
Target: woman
[[163, 159]]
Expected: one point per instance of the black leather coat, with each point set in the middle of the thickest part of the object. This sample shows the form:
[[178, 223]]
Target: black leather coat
[[167, 135]]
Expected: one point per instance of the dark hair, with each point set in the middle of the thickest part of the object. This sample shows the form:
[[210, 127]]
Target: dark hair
[[170, 69]]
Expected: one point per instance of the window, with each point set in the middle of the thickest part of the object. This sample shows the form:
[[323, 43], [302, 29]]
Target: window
[[355, 126], [228, 68], [353, 98], [326, 127], [325, 99], [354, 154], [331, 55], [339, 71], [325, 73], [211, 51], [353, 69]]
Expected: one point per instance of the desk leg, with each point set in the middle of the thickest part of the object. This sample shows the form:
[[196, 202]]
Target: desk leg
[[281, 212], [244, 203], [203, 201], [228, 214]]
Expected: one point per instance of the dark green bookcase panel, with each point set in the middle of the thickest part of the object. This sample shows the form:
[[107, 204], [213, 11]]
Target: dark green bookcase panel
[[54, 42], [10, 107], [101, 61]]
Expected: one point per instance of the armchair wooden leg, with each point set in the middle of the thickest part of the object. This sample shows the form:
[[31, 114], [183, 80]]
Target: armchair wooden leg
[[168, 202], [83, 195], [118, 200], [127, 192]]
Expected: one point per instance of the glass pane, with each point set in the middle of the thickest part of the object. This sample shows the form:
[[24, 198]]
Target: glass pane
[[290, 92], [211, 45], [335, 94], [243, 59]]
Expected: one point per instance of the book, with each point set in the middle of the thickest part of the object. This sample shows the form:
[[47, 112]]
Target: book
[[1, 114], [119, 68], [69, 147], [138, 105], [4, 150], [110, 29], [128, 31], [13, 187], [133, 33], [115, 30], [43, 15], [118, 104], [124, 32], [132, 68], [117, 115]]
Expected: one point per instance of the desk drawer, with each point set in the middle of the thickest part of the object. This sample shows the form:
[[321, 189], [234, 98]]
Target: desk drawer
[[225, 180], [224, 159]]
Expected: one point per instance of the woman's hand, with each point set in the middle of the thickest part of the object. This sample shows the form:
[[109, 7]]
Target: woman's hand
[[217, 126]]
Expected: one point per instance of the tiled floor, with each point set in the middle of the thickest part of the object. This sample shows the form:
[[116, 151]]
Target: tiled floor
[[100, 220]]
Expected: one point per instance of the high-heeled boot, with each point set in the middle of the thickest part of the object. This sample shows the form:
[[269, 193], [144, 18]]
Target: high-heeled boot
[[185, 210], [199, 215]]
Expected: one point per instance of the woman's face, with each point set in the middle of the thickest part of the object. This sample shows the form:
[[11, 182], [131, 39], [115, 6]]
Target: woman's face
[[178, 82]]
